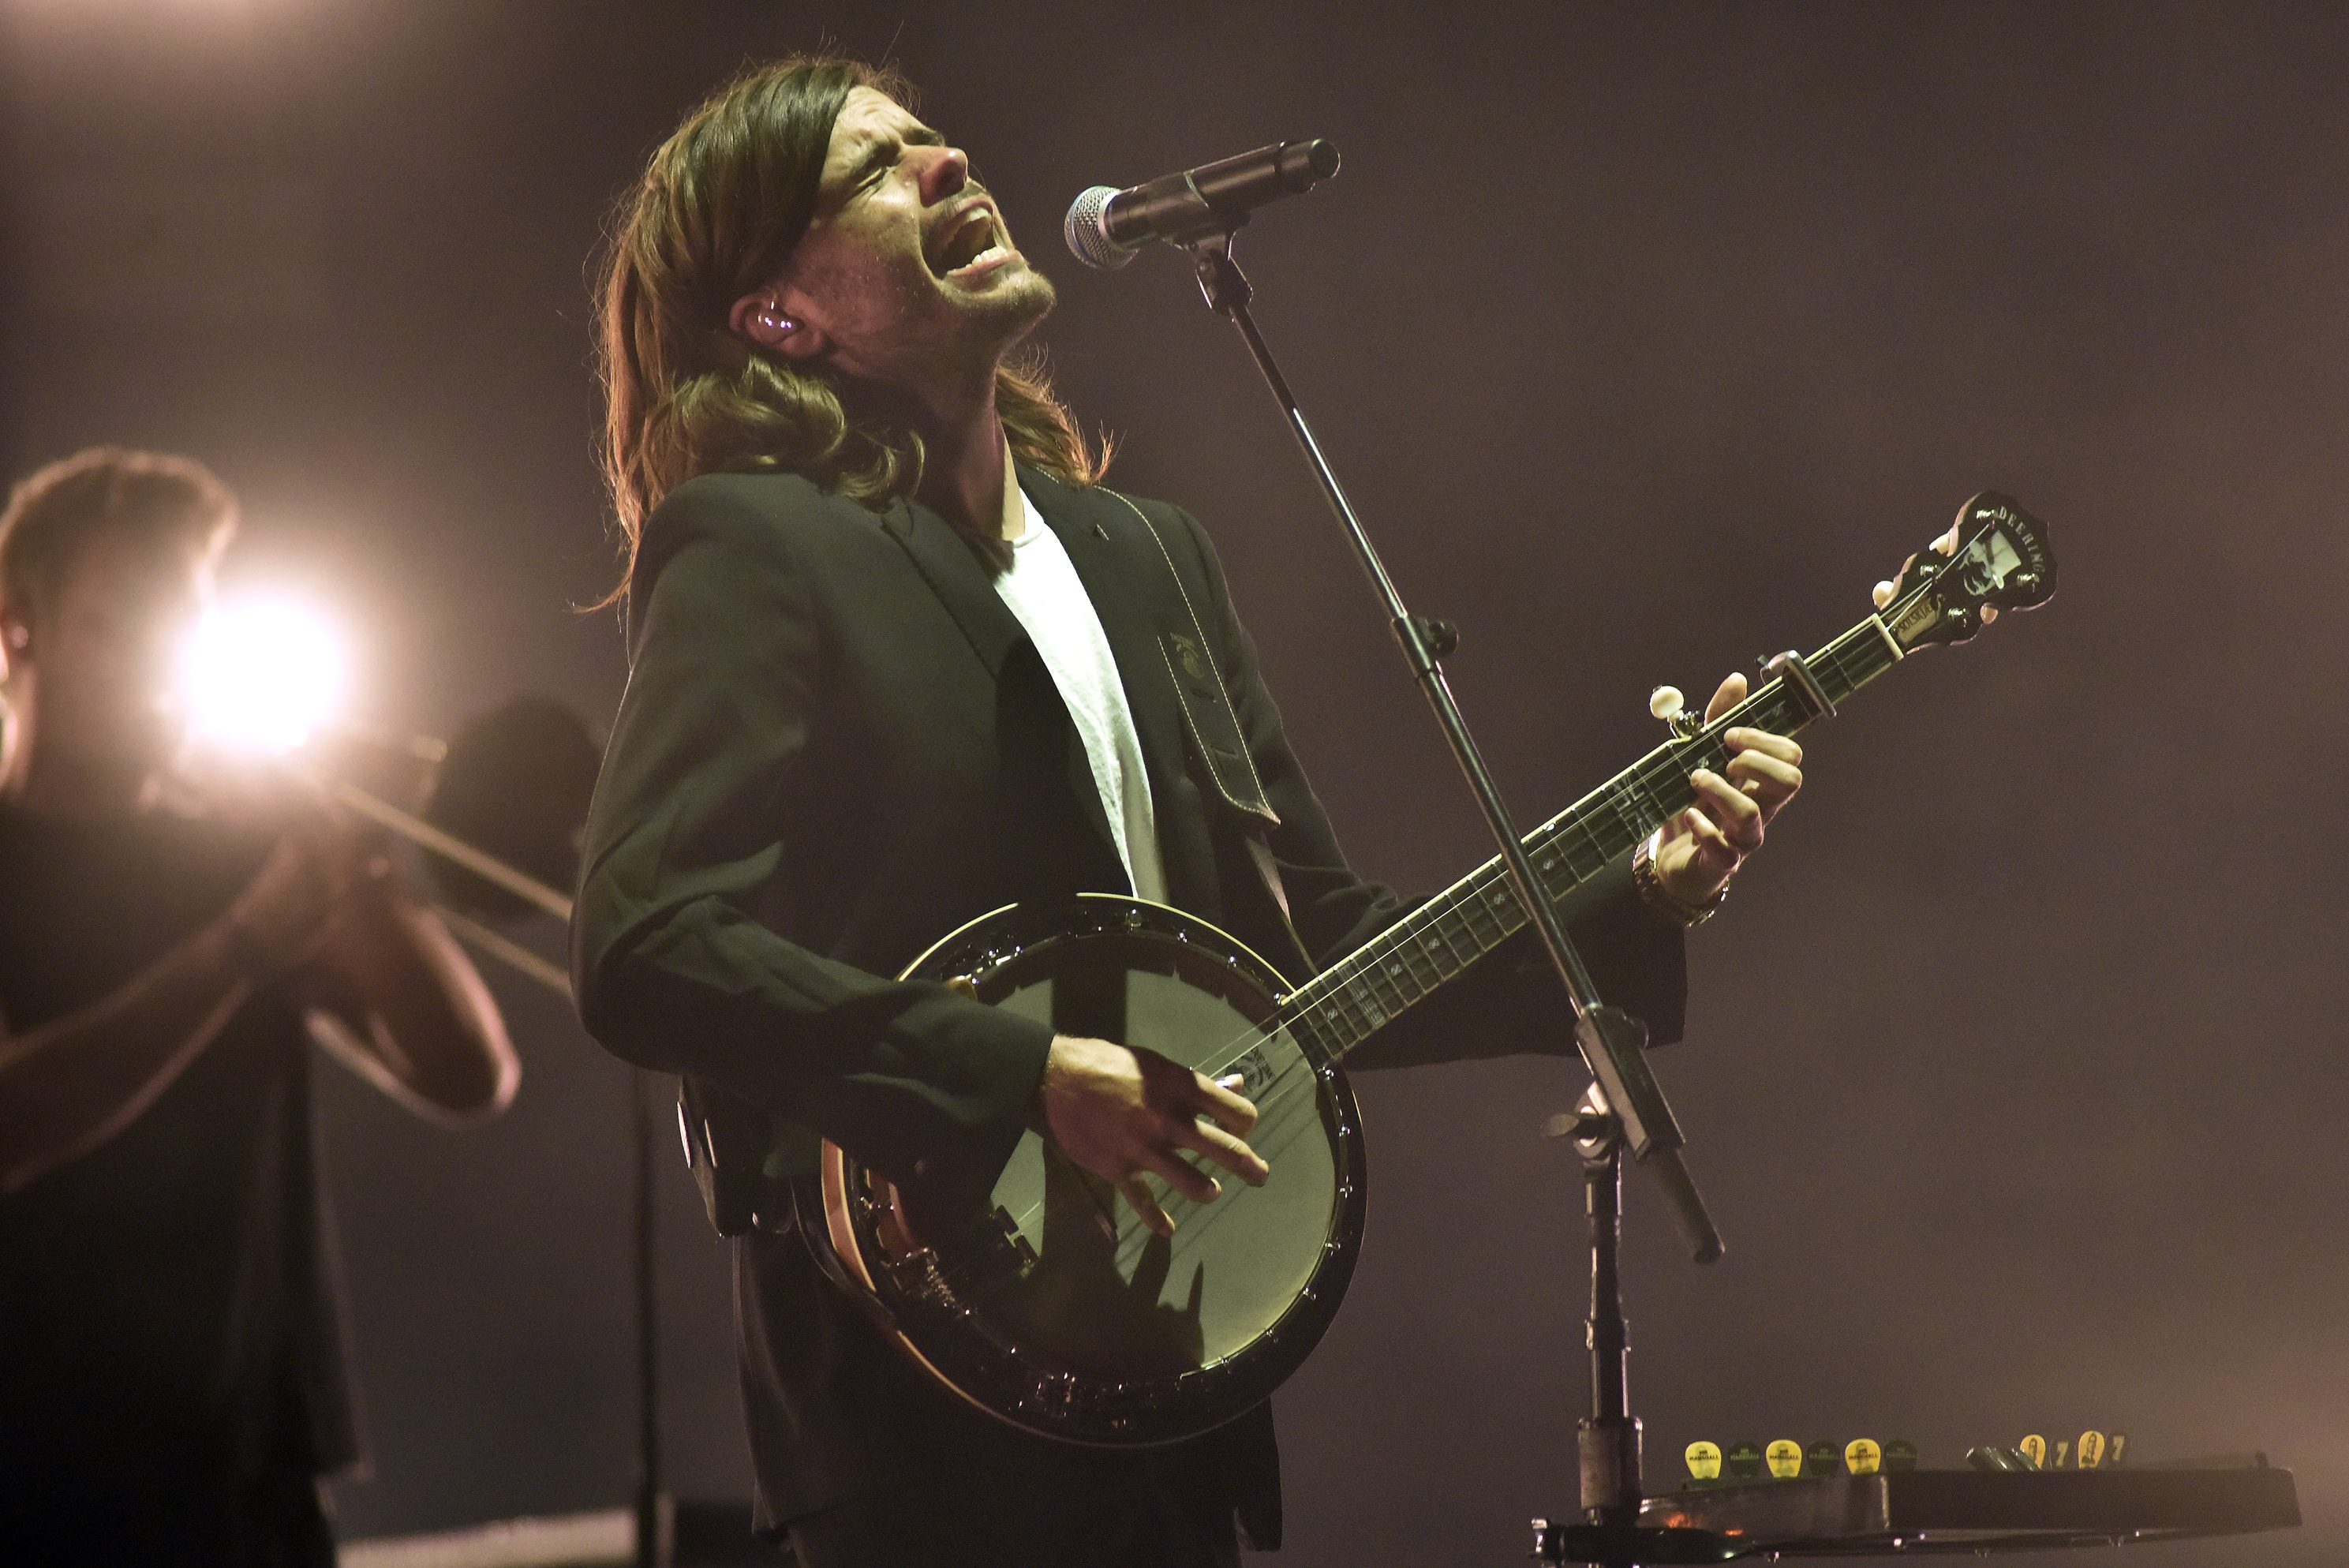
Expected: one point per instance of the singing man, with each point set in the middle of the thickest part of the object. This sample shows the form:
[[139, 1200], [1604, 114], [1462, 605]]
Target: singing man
[[170, 1381], [895, 654]]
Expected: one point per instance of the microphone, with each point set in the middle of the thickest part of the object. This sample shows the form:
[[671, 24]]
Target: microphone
[[1106, 226]]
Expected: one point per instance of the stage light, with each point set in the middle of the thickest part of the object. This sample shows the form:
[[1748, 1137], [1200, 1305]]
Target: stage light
[[261, 674]]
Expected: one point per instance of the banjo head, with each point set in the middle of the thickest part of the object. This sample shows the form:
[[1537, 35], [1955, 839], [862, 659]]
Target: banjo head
[[1058, 1310]]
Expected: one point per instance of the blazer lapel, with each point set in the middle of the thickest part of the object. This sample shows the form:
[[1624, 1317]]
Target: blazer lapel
[[1123, 576], [966, 587], [959, 578]]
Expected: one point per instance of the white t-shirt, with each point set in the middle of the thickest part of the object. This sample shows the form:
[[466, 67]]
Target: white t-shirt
[[1043, 591]]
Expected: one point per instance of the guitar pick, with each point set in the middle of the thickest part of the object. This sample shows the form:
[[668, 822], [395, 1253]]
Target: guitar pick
[[1785, 1458], [1703, 1461], [2090, 1451], [1743, 1461], [1862, 1457], [2034, 1448]]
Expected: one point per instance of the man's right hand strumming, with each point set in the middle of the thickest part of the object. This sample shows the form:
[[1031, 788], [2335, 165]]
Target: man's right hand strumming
[[1122, 1113]]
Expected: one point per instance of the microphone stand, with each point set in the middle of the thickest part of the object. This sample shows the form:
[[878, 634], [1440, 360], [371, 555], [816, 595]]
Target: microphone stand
[[1624, 1104]]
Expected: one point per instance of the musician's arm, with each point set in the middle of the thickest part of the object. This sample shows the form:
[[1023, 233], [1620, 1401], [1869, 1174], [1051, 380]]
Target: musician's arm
[[69, 1086], [1511, 1003], [392, 997], [72, 1084], [673, 968]]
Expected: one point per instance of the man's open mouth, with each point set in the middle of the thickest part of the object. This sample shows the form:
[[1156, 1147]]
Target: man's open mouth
[[968, 240]]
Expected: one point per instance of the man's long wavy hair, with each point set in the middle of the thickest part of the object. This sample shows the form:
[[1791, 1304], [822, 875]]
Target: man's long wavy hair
[[715, 217]]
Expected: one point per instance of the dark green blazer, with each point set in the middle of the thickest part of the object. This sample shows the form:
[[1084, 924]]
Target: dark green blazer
[[836, 745]]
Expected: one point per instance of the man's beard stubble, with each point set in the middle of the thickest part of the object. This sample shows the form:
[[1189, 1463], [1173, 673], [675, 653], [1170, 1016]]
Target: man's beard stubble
[[1019, 308]]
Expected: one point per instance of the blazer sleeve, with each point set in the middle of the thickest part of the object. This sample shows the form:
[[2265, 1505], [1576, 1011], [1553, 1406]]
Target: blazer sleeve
[[672, 966], [1512, 1000]]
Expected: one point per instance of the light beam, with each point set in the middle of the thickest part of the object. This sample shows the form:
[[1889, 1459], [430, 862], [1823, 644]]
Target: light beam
[[262, 672]]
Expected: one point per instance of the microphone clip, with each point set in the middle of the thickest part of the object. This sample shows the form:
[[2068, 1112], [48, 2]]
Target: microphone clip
[[1221, 282]]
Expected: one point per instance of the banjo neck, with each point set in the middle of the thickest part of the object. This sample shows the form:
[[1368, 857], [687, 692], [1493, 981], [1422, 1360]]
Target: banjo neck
[[1362, 992]]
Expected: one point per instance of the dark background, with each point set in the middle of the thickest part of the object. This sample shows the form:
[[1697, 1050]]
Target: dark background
[[1648, 336]]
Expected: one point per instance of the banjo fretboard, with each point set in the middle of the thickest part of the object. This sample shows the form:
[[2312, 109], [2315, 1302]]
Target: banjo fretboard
[[1364, 992]]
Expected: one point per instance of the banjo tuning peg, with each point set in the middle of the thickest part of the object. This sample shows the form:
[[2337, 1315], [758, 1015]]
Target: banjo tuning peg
[[1667, 703]]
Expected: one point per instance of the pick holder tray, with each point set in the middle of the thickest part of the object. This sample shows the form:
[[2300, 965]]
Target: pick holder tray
[[1908, 1513]]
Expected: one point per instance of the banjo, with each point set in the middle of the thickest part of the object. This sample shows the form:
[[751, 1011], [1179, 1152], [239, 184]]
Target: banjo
[[1056, 1309]]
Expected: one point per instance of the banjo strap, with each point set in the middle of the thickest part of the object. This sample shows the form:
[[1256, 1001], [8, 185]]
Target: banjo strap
[[1216, 736]]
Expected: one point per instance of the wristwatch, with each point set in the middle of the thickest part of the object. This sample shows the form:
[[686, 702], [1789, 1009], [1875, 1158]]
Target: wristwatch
[[1651, 887]]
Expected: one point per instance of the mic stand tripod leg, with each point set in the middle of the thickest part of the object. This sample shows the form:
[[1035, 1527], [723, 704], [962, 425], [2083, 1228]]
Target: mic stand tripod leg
[[1608, 1439], [1606, 1442]]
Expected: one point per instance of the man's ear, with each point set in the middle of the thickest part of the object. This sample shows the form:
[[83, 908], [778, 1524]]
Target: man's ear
[[761, 321], [16, 635]]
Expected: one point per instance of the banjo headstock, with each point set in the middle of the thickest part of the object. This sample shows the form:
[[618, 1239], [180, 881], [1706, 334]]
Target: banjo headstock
[[1994, 557]]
